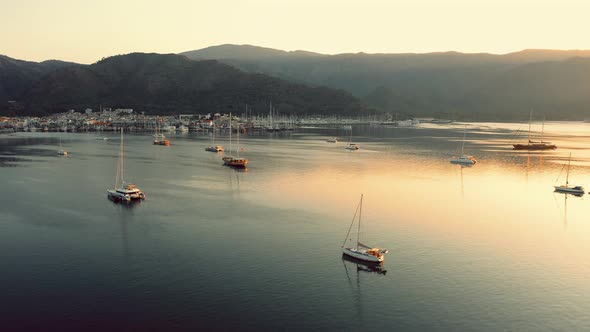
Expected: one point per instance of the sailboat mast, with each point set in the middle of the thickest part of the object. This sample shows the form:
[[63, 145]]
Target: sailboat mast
[[358, 234], [543, 129], [121, 156], [464, 134], [530, 120], [213, 132], [230, 133], [567, 176], [238, 146]]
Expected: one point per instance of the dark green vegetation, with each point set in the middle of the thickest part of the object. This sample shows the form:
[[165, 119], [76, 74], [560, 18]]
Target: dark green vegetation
[[453, 85], [170, 84], [450, 85], [17, 76]]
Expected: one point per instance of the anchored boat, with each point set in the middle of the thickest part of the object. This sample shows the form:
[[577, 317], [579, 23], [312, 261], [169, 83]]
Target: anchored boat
[[123, 192], [535, 145], [463, 159], [231, 160], [567, 189], [213, 147], [359, 250]]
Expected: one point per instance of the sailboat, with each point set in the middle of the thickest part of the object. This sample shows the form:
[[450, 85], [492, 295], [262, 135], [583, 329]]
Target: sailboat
[[535, 145], [359, 250], [61, 151], [351, 146], [234, 161], [159, 138], [123, 192], [214, 148], [463, 159], [576, 190]]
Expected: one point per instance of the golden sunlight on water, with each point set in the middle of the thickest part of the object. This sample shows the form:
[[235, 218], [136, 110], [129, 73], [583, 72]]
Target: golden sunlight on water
[[504, 205], [483, 248]]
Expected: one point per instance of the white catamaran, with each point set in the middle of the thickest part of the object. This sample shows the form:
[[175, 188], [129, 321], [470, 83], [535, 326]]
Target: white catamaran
[[123, 192], [359, 250], [575, 190]]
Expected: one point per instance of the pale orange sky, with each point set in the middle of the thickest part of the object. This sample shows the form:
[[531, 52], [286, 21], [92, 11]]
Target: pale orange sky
[[85, 31]]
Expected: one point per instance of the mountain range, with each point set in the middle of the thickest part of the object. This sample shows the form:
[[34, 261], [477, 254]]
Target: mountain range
[[474, 86], [169, 84], [471, 86]]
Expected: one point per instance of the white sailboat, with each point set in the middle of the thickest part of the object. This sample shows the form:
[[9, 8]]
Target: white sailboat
[[576, 190], [61, 151], [351, 146], [463, 159], [358, 250], [123, 192], [213, 147]]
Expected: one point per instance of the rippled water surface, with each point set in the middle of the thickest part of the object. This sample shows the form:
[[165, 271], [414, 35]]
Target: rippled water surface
[[485, 248]]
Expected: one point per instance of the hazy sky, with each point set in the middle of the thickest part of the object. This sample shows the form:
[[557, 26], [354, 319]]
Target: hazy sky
[[87, 30]]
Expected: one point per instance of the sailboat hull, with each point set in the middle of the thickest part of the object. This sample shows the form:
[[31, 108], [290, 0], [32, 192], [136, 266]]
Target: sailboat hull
[[361, 255], [463, 161], [216, 148], [537, 146], [569, 190]]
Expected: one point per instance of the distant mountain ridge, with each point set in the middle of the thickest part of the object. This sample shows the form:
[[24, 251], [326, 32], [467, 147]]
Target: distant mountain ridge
[[17, 76], [174, 84], [446, 84], [475, 86]]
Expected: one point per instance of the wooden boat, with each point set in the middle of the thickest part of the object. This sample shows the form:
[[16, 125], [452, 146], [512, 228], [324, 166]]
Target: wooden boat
[[535, 145], [236, 161], [160, 139]]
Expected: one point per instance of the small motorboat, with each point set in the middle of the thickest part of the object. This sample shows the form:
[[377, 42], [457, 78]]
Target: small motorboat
[[332, 140]]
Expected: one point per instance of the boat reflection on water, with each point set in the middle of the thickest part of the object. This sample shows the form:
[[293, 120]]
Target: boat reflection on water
[[375, 269], [125, 204], [239, 169], [364, 265], [565, 196]]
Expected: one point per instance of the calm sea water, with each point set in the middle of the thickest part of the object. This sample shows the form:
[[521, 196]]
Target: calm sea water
[[485, 248]]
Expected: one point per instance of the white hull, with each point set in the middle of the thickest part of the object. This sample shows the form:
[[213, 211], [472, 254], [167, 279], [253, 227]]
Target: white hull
[[361, 255], [462, 161], [125, 196]]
